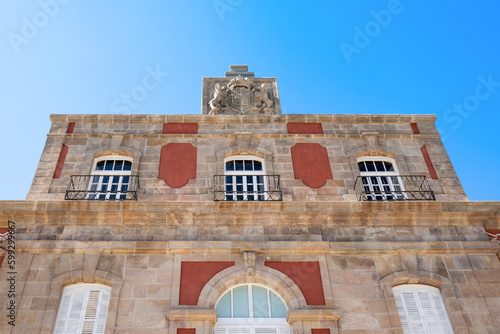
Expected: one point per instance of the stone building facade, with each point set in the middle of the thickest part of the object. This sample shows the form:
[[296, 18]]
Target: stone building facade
[[170, 223]]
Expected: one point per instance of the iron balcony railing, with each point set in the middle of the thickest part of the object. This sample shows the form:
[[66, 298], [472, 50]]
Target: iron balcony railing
[[103, 187], [393, 188], [247, 188]]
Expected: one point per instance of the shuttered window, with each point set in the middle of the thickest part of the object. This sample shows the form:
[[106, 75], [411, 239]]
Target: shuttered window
[[421, 309], [83, 309]]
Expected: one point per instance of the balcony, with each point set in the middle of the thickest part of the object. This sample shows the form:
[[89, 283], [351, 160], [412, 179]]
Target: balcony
[[247, 188], [103, 187], [393, 188]]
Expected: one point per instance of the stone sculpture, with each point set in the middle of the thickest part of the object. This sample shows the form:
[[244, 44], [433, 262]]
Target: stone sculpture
[[242, 97]]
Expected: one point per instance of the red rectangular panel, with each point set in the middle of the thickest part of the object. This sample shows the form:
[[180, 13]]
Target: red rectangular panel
[[304, 128], [415, 129], [320, 331], [180, 128], [428, 161], [60, 161], [71, 127], [186, 330]]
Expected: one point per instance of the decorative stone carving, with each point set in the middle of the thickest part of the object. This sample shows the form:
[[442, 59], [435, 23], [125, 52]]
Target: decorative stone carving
[[241, 96], [250, 262]]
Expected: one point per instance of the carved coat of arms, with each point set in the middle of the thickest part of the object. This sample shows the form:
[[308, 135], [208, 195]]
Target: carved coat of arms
[[242, 97]]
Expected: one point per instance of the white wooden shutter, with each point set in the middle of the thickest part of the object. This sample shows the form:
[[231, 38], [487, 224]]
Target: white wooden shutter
[[75, 311], [219, 330], [266, 330], [421, 310], [83, 309], [103, 312], [285, 330], [238, 330], [442, 314], [62, 314]]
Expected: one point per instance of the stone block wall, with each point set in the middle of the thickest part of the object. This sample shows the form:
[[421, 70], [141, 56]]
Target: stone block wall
[[362, 250], [357, 287]]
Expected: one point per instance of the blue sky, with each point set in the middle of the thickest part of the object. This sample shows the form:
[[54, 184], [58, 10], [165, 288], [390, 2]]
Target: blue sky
[[340, 57]]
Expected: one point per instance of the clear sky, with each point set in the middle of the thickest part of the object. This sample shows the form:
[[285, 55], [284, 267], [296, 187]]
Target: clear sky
[[340, 57]]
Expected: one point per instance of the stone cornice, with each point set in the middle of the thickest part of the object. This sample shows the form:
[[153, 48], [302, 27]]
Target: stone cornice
[[225, 136], [326, 214], [224, 119]]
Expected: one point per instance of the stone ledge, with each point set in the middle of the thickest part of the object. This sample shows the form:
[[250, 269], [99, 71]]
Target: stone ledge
[[312, 315], [264, 248], [192, 315]]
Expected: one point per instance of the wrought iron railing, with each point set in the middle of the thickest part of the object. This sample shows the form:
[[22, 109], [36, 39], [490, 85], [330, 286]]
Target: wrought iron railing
[[103, 187], [393, 188], [247, 188]]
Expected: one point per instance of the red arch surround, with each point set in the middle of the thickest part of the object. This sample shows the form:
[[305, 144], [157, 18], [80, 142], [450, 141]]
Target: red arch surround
[[194, 276], [307, 276]]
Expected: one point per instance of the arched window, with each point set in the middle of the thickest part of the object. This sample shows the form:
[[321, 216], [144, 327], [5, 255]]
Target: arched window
[[83, 309], [251, 309], [110, 178], [380, 179], [421, 309], [245, 179]]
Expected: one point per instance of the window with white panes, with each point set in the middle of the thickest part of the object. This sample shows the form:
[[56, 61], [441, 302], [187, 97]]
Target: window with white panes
[[244, 179], [381, 180], [251, 309], [421, 309], [110, 178], [83, 309]]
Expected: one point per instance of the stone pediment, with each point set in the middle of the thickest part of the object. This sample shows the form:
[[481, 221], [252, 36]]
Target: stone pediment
[[240, 93]]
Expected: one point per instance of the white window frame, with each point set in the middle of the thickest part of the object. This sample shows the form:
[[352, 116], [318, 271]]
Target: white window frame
[[421, 309], [97, 193], [254, 174], [83, 308], [252, 325], [372, 179]]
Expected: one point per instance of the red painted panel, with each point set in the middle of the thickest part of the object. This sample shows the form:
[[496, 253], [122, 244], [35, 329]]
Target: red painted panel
[[177, 164], [307, 276], [320, 331], [194, 276], [304, 128], [180, 128], [60, 162], [3, 231], [311, 164], [186, 330], [493, 234], [428, 161], [71, 127], [415, 129]]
